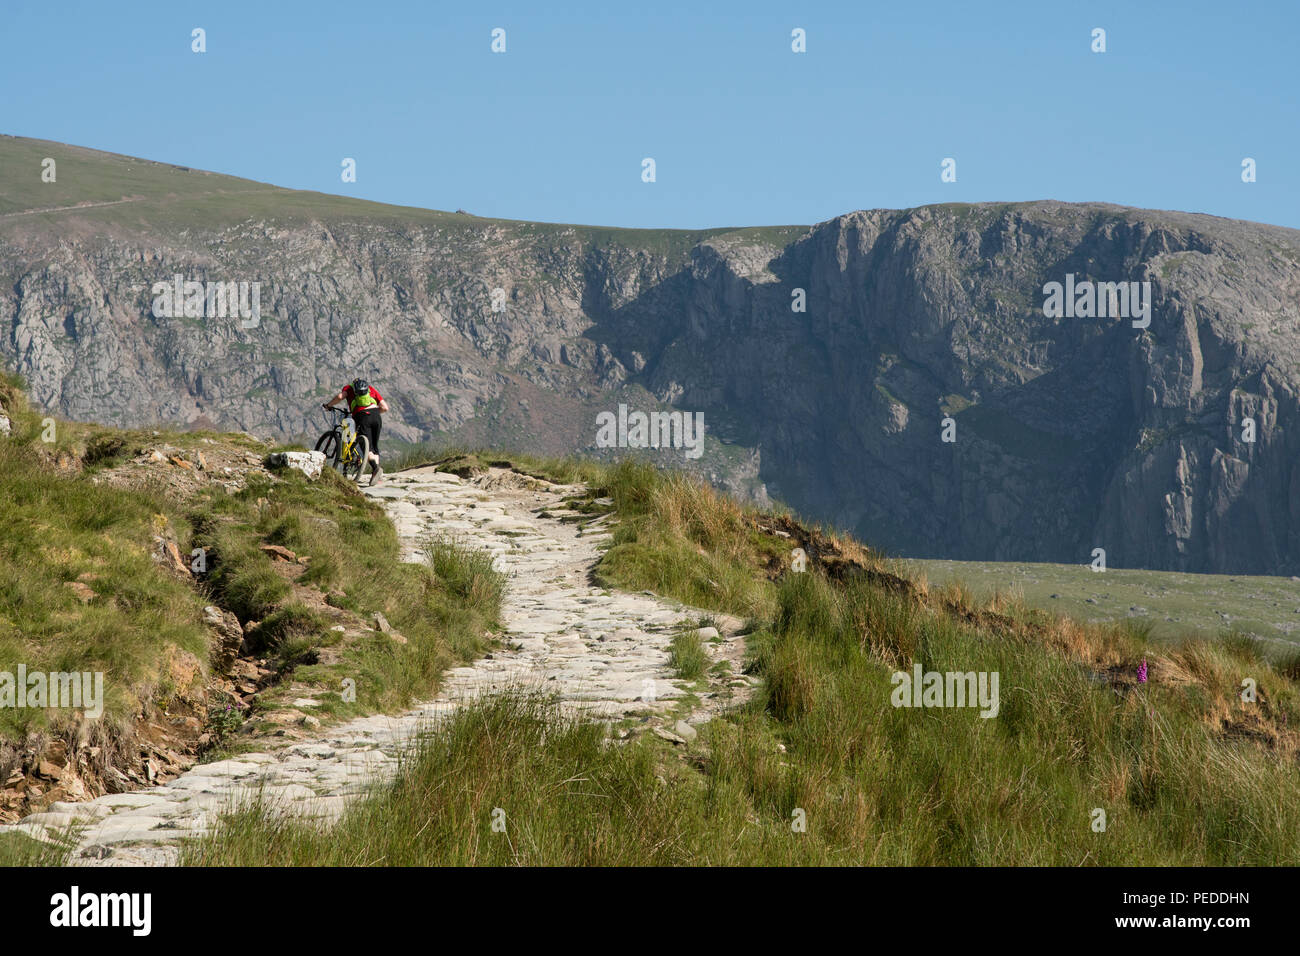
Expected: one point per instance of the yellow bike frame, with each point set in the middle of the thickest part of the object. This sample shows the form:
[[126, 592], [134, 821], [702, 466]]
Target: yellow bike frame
[[348, 442]]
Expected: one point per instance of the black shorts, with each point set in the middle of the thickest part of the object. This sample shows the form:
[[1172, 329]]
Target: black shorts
[[369, 425]]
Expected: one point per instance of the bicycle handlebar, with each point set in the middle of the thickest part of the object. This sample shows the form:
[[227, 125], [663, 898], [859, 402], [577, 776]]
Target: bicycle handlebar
[[340, 412]]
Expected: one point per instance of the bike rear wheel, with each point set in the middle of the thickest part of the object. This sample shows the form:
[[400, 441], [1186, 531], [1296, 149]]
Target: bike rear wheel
[[328, 444], [355, 466]]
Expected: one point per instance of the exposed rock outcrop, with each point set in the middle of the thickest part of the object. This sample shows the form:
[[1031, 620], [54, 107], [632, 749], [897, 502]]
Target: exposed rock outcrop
[[1071, 433]]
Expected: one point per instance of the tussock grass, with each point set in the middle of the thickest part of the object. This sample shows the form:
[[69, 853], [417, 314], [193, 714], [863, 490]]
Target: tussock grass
[[950, 787], [558, 792], [687, 656], [18, 849], [242, 577], [1289, 666], [292, 622], [681, 538], [465, 572]]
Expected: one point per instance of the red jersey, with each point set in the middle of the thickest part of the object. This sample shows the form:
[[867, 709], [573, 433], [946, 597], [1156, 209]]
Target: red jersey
[[363, 406]]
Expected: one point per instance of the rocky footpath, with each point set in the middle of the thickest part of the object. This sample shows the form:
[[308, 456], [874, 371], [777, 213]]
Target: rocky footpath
[[601, 654]]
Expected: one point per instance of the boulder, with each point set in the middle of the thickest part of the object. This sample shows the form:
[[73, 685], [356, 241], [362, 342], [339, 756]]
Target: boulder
[[381, 623], [309, 463], [182, 670], [225, 649], [174, 555], [685, 731]]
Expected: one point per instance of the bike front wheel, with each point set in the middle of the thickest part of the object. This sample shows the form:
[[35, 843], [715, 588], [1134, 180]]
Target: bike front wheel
[[328, 445], [355, 466]]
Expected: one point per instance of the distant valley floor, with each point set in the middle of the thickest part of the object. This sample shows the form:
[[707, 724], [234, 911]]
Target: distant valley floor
[[1173, 602]]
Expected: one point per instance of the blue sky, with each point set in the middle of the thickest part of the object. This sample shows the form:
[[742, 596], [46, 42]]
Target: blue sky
[[743, 131]]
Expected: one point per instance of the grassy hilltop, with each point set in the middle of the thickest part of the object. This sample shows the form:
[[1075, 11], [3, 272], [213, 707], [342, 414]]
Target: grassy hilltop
[[111, 189]]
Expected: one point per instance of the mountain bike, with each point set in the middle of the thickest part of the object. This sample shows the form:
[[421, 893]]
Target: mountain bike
[[345, 450]]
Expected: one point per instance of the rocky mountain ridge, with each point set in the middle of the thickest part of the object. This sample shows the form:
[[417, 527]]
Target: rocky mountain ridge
[[1069, 433]]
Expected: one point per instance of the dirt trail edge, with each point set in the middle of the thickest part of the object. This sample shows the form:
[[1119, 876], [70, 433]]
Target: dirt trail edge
[[602, 654]]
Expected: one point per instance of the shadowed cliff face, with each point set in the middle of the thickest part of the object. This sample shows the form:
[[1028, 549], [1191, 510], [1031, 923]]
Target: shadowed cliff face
[[1071, 433]]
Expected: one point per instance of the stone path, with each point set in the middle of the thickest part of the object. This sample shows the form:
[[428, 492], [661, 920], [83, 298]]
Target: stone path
[[602, 654]]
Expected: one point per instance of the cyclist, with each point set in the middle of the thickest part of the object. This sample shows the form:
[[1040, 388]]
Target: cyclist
[[366, 405]]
